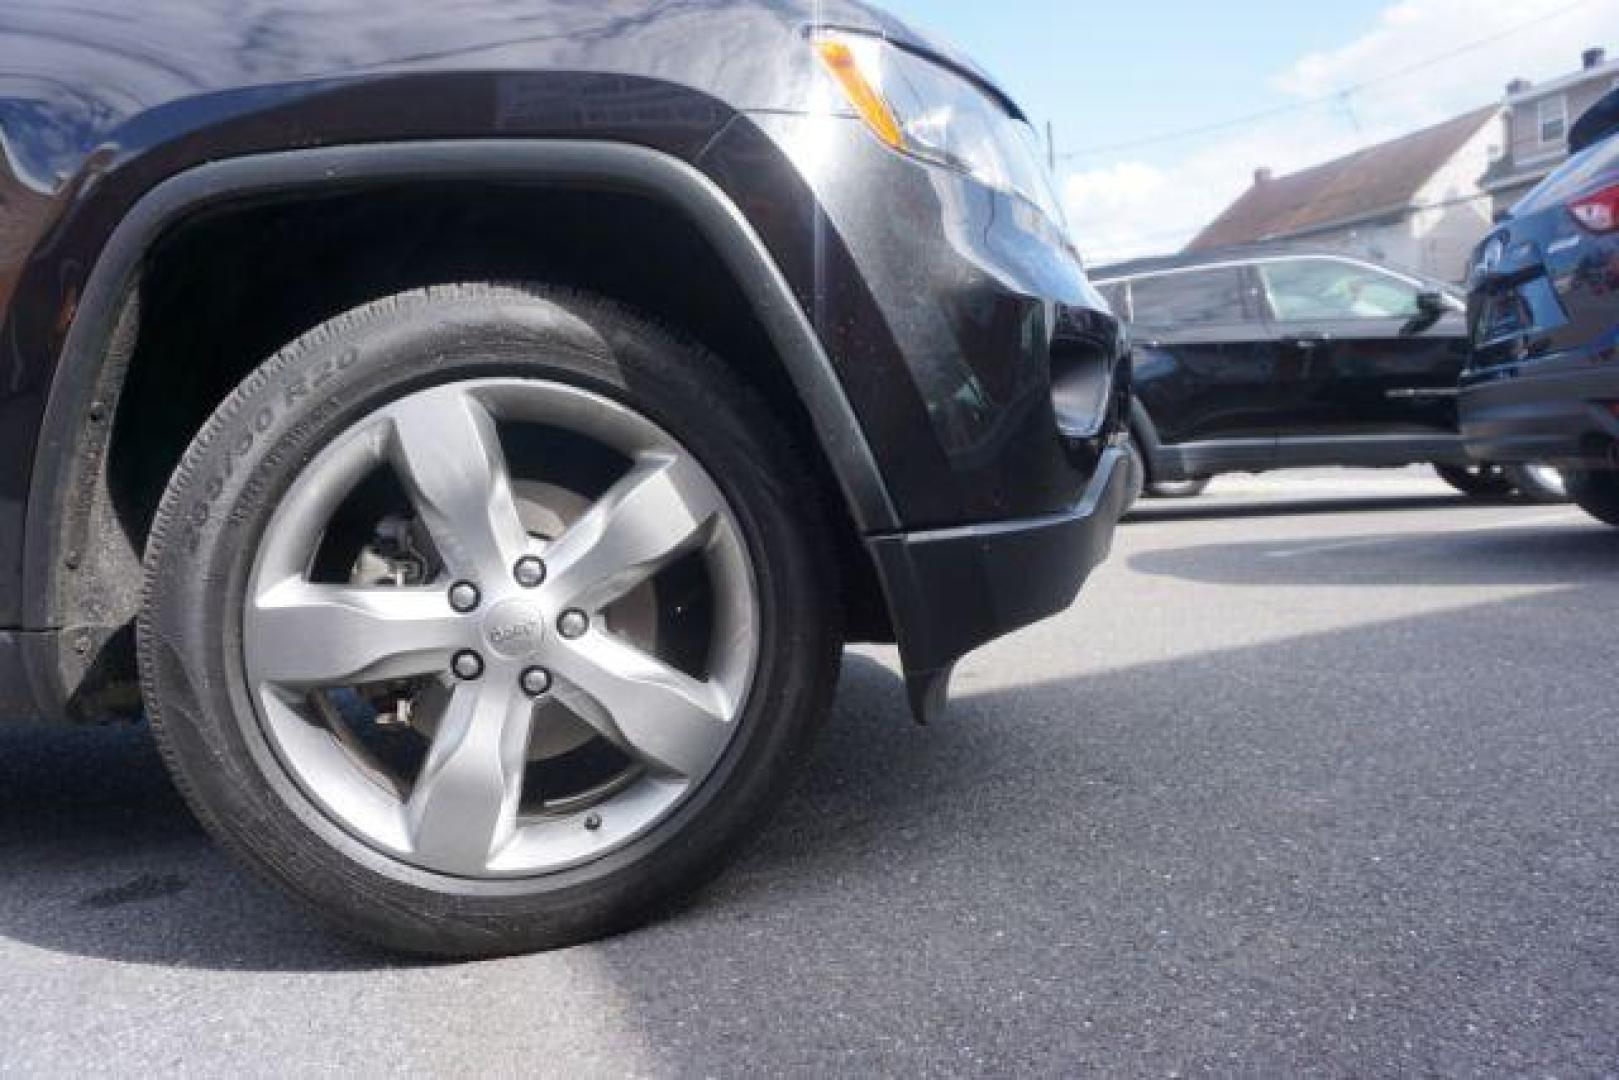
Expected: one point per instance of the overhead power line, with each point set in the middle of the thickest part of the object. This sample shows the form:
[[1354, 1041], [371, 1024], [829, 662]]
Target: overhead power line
[[1341, 95]]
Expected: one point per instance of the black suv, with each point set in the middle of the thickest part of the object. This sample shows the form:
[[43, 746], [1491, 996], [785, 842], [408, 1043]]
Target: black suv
[[1544, 305], [472, 431], [1277, 358]]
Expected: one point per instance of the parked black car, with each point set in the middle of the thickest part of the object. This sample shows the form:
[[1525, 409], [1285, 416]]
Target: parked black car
[[1276, 358], [1544, 312], [487, 421]]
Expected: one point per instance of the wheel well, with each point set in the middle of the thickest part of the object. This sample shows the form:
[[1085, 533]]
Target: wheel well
[[223, 290]]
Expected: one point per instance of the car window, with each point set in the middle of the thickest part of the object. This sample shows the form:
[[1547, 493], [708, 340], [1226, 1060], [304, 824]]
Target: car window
[[1302, 290], [1188, 298]]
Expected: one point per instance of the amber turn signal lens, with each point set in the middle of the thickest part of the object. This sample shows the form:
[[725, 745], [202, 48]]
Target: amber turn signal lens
[[840, 62]]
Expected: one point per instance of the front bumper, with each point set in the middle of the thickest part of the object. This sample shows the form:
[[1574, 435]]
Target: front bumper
[[986, 373], [952, 590], [1558, 415]]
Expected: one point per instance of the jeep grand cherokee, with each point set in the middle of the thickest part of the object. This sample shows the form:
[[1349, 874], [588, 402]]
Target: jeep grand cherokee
[[470, 432]]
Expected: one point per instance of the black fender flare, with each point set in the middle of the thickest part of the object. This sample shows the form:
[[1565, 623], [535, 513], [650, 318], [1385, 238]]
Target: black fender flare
[[88, 380], [82, 395]]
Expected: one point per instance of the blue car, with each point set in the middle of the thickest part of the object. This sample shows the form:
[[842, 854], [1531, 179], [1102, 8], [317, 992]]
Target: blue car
[[1543, 312]]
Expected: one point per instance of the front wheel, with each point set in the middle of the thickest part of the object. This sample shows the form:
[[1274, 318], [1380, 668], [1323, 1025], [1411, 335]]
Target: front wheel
[[1596, 492], [1138, 473], [1179, 489], [487, 618]]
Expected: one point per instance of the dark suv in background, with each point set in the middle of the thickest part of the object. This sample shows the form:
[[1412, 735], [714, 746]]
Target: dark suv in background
[[1544, 309], [472, 431], [1277, 358]]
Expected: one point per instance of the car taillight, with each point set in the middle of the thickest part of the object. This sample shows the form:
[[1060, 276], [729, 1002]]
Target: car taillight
[[1598, 212]]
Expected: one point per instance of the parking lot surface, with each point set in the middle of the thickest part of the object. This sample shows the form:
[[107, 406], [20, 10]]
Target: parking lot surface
[[1320, 772]]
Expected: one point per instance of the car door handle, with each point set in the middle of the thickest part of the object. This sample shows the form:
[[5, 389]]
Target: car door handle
[[1411, 393], [1307, 341]]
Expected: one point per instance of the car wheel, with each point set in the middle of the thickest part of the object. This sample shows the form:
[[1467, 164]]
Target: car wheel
[[1478, 481], [488, 618], [1179, 489], [1596, 492], [1538, 483], [1138, 473]]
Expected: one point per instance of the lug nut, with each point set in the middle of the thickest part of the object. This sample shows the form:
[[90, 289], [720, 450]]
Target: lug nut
[[535, 681], [464, 596], [593, 822], [573, 623], [529, 572], [467, 665]]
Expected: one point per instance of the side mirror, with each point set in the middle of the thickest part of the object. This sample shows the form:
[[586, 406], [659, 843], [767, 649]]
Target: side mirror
[[1431, 307]]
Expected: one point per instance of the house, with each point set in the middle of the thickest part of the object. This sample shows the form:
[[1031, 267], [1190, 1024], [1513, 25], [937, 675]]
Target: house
[[1537, 123], [1415, 201]]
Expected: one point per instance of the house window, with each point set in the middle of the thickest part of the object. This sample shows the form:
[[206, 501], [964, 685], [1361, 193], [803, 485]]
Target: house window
[[1553, 119]]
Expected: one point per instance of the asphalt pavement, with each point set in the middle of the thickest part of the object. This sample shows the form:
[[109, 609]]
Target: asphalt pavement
[[1321, 773]]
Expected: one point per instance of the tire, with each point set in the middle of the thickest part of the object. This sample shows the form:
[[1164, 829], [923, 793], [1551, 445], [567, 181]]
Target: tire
[[1179, 489], [1138, 473], [214, 634], [1596, 492], [1476, 481], [1537, 483]]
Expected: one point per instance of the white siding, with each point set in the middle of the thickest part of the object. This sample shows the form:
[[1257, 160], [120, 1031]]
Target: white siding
[[1451, 215], [1457, 213]]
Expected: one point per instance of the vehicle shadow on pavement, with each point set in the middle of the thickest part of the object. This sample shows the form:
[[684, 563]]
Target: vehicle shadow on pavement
[[1266, 858], [1282, 829], [102, 858], [1568, 554]]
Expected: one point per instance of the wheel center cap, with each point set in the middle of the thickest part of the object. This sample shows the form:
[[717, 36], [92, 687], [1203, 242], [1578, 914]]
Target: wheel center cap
[[514, 629]]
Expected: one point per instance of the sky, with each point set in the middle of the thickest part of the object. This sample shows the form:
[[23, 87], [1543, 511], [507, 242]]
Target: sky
[[1123, 82]]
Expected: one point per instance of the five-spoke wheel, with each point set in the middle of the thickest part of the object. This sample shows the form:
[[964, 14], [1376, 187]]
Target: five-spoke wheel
[[504, 637], [505, 618]]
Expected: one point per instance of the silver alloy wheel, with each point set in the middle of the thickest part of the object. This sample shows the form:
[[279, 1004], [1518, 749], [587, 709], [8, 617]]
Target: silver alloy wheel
[[1549, 478], [464, 812], [1177, 489]]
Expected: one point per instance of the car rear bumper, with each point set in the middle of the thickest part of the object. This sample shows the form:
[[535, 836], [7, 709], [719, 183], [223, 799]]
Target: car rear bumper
[[1558, 413], [952, 590]]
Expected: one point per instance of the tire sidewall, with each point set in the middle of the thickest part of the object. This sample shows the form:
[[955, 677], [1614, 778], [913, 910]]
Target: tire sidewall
[[1138, 472], [1596, 491], [220, 503]]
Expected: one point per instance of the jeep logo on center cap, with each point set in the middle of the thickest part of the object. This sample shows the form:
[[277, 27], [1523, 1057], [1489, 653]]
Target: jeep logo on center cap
[[514, 628]]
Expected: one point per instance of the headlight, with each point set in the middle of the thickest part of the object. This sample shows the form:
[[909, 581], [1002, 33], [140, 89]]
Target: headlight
[[930, 112]]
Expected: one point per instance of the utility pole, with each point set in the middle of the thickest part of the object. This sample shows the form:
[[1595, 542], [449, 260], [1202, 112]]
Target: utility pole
[[1051, 146]]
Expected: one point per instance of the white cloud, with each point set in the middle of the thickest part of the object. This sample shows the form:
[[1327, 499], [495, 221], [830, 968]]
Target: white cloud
[[1118, 207], [1415, 34], [1134, 208], [1158, 198]]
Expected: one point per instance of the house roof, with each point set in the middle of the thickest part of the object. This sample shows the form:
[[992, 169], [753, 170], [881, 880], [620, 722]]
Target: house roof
[[1374, 182], [1604, 71]]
